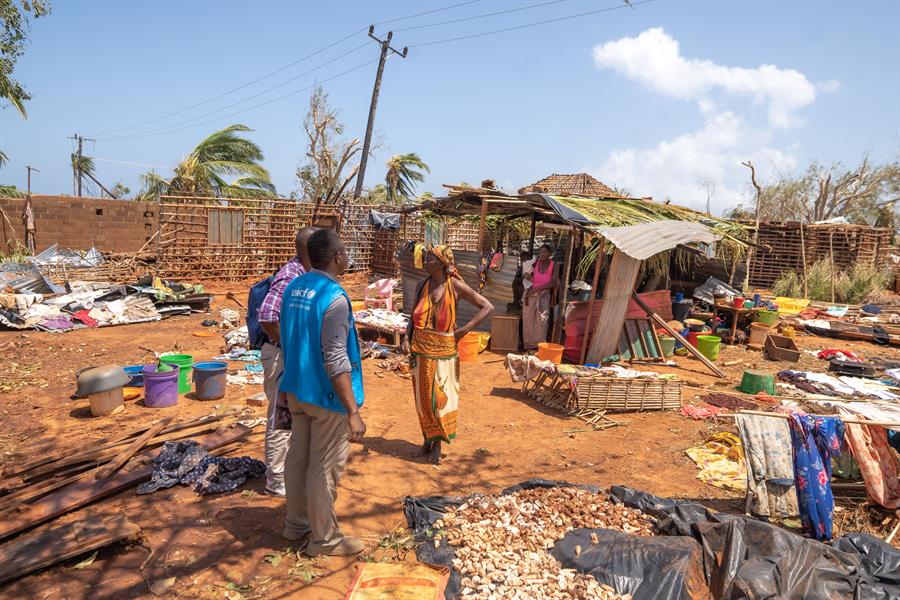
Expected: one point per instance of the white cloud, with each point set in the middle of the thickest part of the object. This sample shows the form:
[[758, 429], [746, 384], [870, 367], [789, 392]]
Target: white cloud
[[654, 59], [677, 169], [829, 86]]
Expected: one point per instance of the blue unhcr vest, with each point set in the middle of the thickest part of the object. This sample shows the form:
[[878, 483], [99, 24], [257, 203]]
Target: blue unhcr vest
[[303, 307]]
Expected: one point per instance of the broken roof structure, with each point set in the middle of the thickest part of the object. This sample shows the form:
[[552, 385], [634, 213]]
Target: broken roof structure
[[577, 184]]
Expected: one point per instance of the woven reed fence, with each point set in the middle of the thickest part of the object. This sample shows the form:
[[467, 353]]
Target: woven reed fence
[[847, 244]]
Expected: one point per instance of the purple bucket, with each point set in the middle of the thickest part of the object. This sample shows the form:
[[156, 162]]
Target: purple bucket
[[160, 389]]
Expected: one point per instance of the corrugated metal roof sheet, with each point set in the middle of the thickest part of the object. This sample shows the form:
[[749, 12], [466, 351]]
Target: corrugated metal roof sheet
[[646, 239]]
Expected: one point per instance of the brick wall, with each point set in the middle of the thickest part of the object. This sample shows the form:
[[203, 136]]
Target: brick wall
[[79, 223]]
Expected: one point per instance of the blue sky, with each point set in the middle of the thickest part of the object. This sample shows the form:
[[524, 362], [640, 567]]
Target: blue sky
[[660, 99]]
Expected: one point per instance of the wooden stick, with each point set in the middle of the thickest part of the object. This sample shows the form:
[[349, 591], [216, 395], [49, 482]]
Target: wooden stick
[[659, 321], [561, 315], [598, 264], [896, 528], [131, 449]]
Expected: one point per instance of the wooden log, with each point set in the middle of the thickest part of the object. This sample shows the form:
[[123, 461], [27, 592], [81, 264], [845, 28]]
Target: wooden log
[[89, 490], [557, 325], [696, 353], [620, 282], [601, 256], [129, 451], [61, 542]]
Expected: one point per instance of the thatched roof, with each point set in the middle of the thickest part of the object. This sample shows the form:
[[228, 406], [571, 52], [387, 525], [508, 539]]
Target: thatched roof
[[580, 184]]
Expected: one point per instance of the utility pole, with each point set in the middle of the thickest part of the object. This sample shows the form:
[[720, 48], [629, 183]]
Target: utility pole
[[76, 168], [30, 169], [385, 48]]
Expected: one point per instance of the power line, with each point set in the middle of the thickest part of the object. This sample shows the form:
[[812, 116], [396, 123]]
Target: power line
[[280, 69], [630, 4], [482, 16], [251, 97], [255, 106]]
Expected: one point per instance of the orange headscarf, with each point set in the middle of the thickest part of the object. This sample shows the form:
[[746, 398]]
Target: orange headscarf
[[445, 254]]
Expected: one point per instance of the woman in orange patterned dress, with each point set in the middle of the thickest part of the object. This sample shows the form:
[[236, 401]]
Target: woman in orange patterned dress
[[431, 340]]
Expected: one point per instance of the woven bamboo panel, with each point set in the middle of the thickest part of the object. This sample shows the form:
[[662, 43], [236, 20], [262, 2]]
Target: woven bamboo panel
[[619, 394], [848, 244]]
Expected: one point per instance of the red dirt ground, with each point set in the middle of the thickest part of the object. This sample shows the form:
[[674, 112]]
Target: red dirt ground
[[219, 544]]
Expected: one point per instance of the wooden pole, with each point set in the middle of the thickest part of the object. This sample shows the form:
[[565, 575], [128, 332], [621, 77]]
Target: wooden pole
[[620, 282], [803, 260], [531, 237], [760, 413], [564, 290], [131, 449], [482, 226], [598, 264], [831, 255], [687, 346]]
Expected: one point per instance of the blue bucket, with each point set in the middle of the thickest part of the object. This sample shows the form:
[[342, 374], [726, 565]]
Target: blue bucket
[[136, 372], [209, 380]]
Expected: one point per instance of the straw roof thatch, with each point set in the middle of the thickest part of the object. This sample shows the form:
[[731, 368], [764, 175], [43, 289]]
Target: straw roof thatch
[[580, 184]]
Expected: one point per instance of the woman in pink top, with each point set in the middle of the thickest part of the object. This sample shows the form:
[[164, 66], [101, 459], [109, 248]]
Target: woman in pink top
[[536, 308]]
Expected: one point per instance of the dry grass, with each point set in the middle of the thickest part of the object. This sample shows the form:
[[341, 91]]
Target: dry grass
[[848, 286]]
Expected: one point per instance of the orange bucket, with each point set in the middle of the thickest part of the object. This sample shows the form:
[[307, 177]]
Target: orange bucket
[[551, 352], [467, 347]]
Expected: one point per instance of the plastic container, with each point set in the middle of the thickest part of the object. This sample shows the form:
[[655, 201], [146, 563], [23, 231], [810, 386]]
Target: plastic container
[[708, 346], [667, 344], [136, 372], [160, 389], [358, 305], [551, 352], [678, 297], [749, 304], [104, 403], [695, 324], [681, 309], [739, 302], [767, 317], [467, 347], [758, 333], [754, 382], [185, 364], [209, 380], [693, 335]]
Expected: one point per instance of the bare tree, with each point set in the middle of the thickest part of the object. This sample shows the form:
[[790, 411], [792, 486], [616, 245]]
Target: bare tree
[[322, 177]]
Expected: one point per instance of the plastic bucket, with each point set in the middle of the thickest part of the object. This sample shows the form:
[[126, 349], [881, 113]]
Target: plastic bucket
[[681, 309], [468, 347], [209, 380], [136, 372], [185, 363], [358, 305], [767, 317], [667, 344], [708, 346], [739, 302], [758, 333], [160, 389], [693, 335], [551, 352]]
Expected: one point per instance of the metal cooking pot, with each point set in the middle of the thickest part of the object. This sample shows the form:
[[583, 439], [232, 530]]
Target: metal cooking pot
[[100, 379]]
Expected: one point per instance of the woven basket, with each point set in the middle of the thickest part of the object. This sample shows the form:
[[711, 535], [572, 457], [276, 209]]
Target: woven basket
[[638, 394]]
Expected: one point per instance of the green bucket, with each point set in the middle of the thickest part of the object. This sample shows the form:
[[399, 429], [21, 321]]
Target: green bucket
[[185, 364], [767, 317], [709, 345], [667, 344]]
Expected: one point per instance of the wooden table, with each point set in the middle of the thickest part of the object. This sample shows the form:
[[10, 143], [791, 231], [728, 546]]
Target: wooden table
[[736, 314], [396, 333]]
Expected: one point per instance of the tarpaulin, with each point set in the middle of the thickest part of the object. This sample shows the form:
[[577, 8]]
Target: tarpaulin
[[383, 220], [735, 556]]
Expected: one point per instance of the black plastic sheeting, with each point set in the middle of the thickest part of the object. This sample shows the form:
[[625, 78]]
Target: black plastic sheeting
[[699, 554], [383, 220]]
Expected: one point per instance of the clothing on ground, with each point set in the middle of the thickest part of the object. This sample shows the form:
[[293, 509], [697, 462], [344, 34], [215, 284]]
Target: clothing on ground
[[721, 461], [270, 309], [770, 467], [187, 462], [525, 367], [815, 441], [877, 461]]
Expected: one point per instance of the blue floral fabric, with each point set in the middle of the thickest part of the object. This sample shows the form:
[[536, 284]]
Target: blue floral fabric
[[815, 441], [186, 462]]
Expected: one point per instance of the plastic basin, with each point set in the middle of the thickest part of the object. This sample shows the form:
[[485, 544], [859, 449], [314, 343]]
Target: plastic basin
[[767, 317]]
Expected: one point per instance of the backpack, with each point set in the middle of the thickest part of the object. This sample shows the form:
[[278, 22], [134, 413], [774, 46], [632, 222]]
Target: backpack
[[255, 299]]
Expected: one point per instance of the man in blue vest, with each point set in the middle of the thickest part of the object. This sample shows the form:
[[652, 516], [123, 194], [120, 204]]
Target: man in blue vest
[[323, 381]]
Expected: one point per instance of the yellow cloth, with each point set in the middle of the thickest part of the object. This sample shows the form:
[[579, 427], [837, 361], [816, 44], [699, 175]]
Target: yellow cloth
[[721, 461], [397, 581], [419, 256], [791, 306]]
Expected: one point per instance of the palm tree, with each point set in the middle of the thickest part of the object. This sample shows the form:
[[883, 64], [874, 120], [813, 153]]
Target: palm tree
[[403, 173], [3, 159], [203, 172]]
